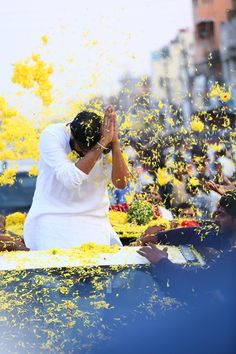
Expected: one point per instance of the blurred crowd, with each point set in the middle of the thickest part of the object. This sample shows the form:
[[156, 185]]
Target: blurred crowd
[[197, 175]]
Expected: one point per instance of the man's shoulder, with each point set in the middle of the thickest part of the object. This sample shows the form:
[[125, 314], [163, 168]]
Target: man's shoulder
[[54, 133], [56, 129]]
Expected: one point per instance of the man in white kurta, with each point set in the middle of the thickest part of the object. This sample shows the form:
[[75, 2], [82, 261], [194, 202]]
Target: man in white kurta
[[69, 206]]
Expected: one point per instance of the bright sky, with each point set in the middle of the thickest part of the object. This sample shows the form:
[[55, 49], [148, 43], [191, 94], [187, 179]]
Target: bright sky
[[92, 43]]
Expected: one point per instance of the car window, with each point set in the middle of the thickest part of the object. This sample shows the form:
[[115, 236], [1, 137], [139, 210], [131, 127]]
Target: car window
[[26, 181]]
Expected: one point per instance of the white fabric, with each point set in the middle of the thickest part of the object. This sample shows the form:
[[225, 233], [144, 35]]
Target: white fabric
[[69, 207], [228, 166], [165, 213]]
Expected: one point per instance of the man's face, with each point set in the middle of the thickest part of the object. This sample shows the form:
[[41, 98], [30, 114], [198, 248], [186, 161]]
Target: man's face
[[225, 221], [188, 213], [153, 197], [77, 148]]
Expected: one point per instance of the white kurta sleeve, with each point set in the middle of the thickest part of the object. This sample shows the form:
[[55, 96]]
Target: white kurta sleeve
[[53, 153]]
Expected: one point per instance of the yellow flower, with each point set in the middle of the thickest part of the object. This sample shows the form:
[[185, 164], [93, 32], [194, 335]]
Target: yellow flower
[[44, 39], [198, 159], [8, 177], [194, 181], [118, 217], [125, 156], [5, 111], [73, 156], [100, 304], [18, 136], [126, 124], [130, 196], [15, 218], [121, 225], [225, 96], [215, 91], [163, 177], [197, 125], [63, 290], [221, 92], [92, 248], [35, 76], [109, 159], [33, 171], [217, 147], [170, 121], [176, 182], [15, 223]]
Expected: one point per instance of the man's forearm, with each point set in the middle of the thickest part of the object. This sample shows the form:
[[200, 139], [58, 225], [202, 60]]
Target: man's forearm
[[120, 171], [86, 163]]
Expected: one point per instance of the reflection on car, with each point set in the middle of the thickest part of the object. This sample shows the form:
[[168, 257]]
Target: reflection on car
[[19, 196]]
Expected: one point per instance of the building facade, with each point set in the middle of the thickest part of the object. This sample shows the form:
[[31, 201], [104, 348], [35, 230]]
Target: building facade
[[172, 69], [228, 51], [208, 17]]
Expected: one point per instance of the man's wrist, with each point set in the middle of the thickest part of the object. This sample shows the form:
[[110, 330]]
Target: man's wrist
[[116, 144], [101, 145], [116, 141], [103, 142]]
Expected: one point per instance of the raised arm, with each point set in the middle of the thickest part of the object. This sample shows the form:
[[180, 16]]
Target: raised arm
[[120, 171], [86, 163]]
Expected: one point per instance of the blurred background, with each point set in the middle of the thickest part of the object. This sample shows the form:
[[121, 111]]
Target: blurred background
[[168, 67]]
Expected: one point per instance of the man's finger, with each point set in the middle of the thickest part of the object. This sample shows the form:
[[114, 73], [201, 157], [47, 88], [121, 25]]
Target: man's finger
[[109, 111], [105, 118], [142, 253], [145, 250], [152, 245], [142, 248], [109, 123], [113, 114], [110, 108]]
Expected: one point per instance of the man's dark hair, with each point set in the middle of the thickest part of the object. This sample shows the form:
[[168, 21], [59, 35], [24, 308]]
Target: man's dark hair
[[184, 205], [228, 202], [86, 129]]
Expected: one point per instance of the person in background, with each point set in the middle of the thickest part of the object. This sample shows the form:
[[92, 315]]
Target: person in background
[[204, 199], [226, 162], [179, 192], [151, 194], [188, 215], [8, 240], [186, 210], [218, 275]]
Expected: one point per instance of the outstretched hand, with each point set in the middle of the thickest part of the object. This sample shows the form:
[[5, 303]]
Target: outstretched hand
[[219, 188], [152, 253]]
